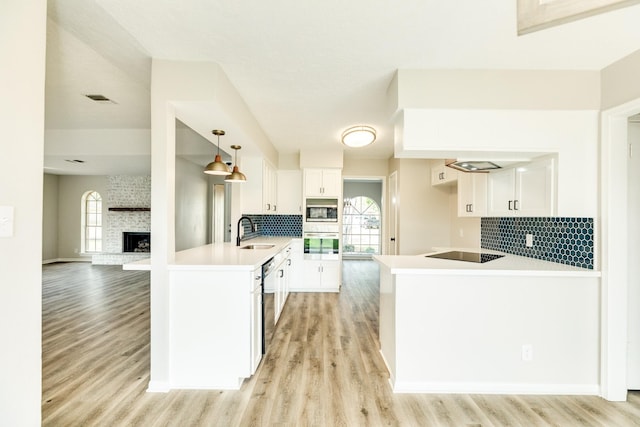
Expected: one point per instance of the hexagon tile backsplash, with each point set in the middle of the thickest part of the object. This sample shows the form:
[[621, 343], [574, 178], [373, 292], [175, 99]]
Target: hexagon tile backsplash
[[556, 239]]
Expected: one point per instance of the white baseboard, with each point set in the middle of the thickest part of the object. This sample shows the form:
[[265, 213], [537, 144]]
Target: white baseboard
[[496, 388], [51, 261], [158, 387], [313, 290]]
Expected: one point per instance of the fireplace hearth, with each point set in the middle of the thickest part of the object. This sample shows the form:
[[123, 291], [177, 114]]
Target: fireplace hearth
[[136, 241]]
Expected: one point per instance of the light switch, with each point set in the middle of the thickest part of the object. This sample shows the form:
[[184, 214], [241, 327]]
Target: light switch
[[6, 221]]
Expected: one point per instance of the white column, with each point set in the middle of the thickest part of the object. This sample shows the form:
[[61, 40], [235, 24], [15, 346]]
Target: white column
[[22, 78]]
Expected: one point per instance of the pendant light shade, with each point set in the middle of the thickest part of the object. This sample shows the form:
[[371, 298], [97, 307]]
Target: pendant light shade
[[236, 175], [217, 167]]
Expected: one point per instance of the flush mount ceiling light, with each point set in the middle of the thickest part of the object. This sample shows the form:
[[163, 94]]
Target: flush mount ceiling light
[[358, 136], [217, 167], [236, 175]]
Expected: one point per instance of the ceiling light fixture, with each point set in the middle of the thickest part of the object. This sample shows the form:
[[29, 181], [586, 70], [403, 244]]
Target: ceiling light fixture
[[236, 175], [217, 167], [358, 136]]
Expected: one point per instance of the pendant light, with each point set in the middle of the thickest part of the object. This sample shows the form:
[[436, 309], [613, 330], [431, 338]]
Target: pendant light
[[236, 175], [217, 167]]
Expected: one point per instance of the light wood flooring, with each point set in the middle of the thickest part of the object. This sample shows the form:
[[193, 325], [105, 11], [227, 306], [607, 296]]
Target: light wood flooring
[[323, 368]]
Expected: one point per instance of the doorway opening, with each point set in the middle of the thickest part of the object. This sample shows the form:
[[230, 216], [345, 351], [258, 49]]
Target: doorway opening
[[362, 218]]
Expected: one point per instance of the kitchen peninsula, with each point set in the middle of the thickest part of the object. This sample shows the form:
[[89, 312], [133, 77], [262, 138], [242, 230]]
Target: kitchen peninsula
[[510, 325], [216, 310]]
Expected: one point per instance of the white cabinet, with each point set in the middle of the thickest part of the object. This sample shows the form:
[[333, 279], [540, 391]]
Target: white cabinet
[[323, 183], [472, 194], [256, 320], [296, 256], [289, 186], [442, 174], [321, 276], [259, 192], [527, 190]]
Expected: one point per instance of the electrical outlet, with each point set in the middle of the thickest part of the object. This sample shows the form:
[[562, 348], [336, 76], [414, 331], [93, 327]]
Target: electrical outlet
[[529, 240], [527, 352]]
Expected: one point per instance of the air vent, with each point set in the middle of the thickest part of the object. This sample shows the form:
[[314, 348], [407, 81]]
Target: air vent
[[473, 166], [99, 98], [74, 161]]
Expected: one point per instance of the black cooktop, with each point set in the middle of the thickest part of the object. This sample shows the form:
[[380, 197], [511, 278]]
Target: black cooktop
[[466, 256]]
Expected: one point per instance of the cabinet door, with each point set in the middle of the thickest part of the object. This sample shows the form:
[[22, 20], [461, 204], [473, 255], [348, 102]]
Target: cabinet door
[[443, 175], [331, 275], [535, 189], [289, 186], [311, 277], [331, 183], [256, 320], [472, 194], [501, 193], [269, 189], [313, 182]]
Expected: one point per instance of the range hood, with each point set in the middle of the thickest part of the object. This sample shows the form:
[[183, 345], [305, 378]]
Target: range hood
[[472, 165]]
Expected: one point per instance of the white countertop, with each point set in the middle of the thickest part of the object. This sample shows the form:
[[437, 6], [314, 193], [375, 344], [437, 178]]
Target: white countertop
[[221, 256], [509, 265]]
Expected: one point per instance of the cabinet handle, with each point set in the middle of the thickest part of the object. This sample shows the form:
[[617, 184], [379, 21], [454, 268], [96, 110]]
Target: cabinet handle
[[393, 239], [470, 207], [268, 206], [281, 273], [288, 262], [258, 277], [515, 205], [275, 208], [510, 208], [441, 175]]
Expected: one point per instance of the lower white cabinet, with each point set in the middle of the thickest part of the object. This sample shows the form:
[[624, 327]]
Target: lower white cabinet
[[256, 320], [321, 275]]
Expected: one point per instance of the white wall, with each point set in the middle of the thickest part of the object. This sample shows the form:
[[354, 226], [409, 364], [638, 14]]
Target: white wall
[[71, 188], [22, 76], [633, 251], [50, 218], [423, 210], [620, 81], [192, 210], [365, 167]]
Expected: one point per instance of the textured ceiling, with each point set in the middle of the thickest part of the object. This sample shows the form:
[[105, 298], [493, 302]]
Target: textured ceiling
[[307, 70]]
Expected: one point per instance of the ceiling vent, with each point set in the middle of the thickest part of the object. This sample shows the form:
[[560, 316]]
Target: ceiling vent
[[99, 98]]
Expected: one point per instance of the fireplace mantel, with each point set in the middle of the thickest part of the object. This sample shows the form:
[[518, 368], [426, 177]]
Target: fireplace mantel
[[130, 209]]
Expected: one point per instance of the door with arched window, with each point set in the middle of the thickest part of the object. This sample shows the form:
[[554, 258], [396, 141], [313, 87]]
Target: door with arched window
[[91, 222], [361, 227]]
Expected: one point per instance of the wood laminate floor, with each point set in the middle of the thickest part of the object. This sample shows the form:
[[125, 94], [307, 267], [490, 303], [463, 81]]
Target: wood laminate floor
[[323, 368]]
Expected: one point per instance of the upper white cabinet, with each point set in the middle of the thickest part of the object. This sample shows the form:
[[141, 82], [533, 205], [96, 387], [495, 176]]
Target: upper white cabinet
[[443, 175], [259, 193], [527, 190], [289, 185], [323, 183], [472, 194]]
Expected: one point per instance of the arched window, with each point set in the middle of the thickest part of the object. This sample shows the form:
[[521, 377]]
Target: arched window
[[92, 222], [361, 226]]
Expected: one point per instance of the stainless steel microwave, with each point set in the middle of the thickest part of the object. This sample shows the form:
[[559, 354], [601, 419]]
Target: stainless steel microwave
[[321, 210]]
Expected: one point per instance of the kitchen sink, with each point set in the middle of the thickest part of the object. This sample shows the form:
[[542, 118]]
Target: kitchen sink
[[258, 246]]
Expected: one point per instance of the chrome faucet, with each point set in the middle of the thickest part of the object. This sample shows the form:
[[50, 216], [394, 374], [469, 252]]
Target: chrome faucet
[[253, 228]]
